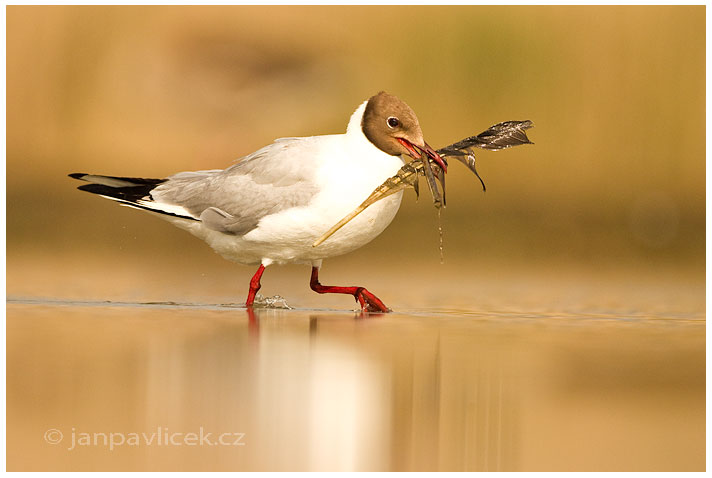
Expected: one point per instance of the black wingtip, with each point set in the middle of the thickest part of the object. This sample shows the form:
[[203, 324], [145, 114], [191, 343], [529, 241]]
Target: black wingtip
[[77, 175]]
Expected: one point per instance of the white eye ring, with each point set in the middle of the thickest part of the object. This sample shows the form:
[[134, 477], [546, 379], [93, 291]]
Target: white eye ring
[[392, 122]]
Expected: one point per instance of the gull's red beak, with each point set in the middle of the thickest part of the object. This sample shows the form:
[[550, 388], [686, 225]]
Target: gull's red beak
[[432, 154]]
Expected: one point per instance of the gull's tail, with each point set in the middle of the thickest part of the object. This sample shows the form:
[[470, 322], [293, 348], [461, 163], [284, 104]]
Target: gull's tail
[[132, 192]]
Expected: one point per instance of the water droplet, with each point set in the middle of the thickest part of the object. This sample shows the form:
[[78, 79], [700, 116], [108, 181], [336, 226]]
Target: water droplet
[[440, 238]]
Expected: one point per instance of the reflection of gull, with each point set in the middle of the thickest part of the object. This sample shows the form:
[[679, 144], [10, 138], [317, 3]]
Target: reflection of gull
[[315, 398], [273, 204], [349, 422]]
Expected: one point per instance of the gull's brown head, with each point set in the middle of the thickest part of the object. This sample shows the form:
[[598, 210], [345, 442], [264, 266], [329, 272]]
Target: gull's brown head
[[391, 125]]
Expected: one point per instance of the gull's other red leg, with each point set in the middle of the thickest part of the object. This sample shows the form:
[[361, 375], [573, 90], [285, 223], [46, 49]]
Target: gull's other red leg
[[254, 286], [368, 301]]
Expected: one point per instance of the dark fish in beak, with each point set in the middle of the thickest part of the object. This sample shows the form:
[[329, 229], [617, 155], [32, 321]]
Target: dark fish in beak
[[500, 136]]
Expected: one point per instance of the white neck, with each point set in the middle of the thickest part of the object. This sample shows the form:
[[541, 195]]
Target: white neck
[[354, 126]]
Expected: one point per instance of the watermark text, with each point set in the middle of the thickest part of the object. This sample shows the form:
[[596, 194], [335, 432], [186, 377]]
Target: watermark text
[[161, 436]]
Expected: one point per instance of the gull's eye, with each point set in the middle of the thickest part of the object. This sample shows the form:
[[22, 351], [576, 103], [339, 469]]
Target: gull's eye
[[393, 122]]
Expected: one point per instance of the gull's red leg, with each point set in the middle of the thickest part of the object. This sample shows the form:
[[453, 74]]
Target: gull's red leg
[[254, 286], [368, 301]]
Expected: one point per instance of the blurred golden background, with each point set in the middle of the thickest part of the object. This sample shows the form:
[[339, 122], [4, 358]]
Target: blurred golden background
[[604, 214], [617, 96]]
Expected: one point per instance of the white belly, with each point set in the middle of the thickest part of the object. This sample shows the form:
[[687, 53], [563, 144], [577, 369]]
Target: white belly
[[287, 237]]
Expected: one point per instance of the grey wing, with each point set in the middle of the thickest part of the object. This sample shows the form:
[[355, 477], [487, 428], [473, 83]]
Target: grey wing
[[234, 200]]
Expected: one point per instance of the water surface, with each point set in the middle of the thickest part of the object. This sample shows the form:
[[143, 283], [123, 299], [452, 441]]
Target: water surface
[[304, 389]]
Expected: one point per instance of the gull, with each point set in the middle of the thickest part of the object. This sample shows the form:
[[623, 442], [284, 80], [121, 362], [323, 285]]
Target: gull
[[272, 205]]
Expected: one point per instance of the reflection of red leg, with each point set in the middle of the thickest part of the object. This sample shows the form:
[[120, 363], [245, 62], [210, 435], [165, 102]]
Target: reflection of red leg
[[368, 301], [254, 286], [253, 324]]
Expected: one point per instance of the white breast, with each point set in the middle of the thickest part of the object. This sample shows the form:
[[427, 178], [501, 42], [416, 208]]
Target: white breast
[[345, 180]]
